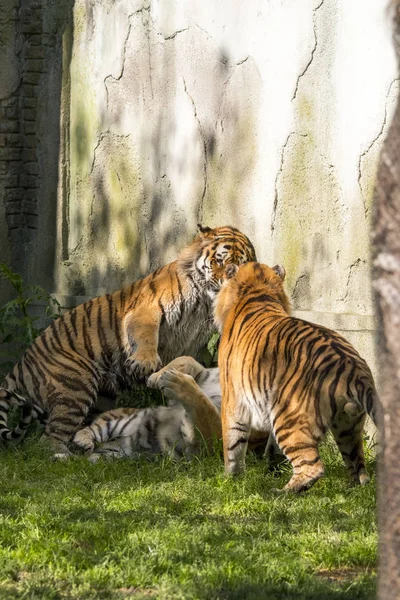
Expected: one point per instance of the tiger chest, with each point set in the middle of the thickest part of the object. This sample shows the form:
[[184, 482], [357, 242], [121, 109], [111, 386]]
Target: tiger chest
[[187, 328]]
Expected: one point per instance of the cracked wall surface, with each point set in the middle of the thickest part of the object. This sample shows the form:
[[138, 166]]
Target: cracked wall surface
[[266, 115]]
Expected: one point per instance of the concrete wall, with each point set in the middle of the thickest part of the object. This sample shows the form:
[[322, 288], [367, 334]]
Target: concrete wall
[[265, 115]]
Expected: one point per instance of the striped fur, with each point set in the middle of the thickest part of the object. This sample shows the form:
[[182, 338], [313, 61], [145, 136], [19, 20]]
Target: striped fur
[[191, 420], [122, 337], [179, 429], [288, 375]]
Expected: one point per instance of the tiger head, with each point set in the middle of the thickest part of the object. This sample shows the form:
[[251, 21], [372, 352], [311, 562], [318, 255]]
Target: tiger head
[[252, 280], [211, 251]]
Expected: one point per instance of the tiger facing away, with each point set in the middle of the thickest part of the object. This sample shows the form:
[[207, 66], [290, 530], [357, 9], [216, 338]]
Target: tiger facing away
[[285, 374], [193, 417], [124, 336]]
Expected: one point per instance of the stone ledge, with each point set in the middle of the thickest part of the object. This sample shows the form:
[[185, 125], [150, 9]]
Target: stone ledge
[[338, 321]]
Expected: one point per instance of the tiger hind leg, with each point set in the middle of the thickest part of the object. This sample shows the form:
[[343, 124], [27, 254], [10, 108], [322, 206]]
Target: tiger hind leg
[[235, 436], [66, 415], [348, 434], [300, 446]]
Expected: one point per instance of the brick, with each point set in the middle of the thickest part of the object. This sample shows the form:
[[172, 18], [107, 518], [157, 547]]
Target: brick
[[34, 51], [29, 127], [34, 65], [32, 27], [31, 141], [11, 113], [2, 140], [30, 102], [32, 221], [10, 154], [49, 39], [30, 207], [14, 167], [13, 194], [14, 208], [14, 139], [28, 91], [11, 101], [28, 181], [36, 91], [15, 221], [35, 4], [9, 126], [31, 168], [35, 40], [31, 77], [28, 154], [29, 114], [12, 181]]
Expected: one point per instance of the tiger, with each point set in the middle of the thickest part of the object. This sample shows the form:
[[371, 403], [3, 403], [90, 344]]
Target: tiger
[[120, 337], [288, 376], [191, 421]]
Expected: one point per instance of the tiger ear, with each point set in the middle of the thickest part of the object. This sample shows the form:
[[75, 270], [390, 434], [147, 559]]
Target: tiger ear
[[231, 270], [206, 231], [280, 271]]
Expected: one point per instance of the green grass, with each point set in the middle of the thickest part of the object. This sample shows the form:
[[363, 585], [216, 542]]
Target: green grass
[[143, 529]]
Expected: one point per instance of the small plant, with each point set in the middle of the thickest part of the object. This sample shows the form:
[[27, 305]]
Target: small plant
[[209, 354], [18, 326]]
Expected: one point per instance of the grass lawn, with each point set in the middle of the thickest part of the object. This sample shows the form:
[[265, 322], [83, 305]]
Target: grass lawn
[[140, 529]]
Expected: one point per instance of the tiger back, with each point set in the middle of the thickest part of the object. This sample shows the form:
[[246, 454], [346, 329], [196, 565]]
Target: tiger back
[[284, 373], [121, 337]]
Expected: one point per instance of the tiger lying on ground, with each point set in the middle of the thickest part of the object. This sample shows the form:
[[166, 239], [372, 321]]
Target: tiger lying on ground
[[289, 375], [177, 430], [124, 336], [191, 420]]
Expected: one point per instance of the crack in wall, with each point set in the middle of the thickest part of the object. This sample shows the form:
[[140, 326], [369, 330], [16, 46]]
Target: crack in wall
[[173, 35], [376, 140], [201, 203], [312, 51], [125, 45], [353, 265], [279, 173], [292, 133]]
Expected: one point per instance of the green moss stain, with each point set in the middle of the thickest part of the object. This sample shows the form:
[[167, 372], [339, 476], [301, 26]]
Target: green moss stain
[[84, 126], [307, 190], [229, 169]]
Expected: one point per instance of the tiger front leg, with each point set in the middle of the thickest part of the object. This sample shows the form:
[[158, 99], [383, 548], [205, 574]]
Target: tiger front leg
[[235, 435], [183, 364], [141, 329]]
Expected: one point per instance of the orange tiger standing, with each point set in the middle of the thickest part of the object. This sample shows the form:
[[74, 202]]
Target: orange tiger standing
[[124, 336], [284, 374]]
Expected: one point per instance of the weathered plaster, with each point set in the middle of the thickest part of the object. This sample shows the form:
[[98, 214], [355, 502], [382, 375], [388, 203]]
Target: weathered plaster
[[268, 116]]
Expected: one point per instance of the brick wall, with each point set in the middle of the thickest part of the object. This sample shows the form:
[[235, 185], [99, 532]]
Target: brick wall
[[19, 142]]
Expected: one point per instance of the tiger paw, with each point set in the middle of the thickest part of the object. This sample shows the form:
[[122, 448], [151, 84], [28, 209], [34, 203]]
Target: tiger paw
[[176, 385], [141, 365], [84, 439]]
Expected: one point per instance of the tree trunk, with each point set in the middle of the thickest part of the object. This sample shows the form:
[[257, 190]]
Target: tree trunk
[[386, 283]]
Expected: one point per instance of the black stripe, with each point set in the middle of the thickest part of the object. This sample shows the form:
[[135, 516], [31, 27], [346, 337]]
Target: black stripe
[[240, 441]]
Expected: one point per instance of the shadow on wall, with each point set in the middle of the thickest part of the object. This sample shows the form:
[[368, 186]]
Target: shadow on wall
[[161, 144]]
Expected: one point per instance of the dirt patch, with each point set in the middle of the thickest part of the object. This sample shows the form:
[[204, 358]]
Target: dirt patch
[[136, 591], [343, 575]]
